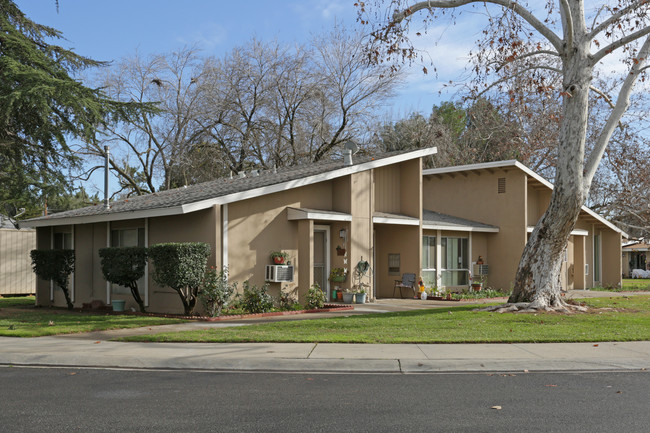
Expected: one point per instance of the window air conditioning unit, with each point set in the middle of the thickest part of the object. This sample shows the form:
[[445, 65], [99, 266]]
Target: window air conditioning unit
[[480, 269], [279, 273]]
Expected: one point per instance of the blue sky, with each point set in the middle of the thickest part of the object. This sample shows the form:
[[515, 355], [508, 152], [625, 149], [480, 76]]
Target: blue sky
[[110, 30]]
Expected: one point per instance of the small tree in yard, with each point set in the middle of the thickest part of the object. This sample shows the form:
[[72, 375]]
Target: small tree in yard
[[181, 266], [125, 266], [55, 265], [215, 291]]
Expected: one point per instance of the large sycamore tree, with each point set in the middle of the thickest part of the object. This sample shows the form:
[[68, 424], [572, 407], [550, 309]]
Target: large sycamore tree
[[559, 46]]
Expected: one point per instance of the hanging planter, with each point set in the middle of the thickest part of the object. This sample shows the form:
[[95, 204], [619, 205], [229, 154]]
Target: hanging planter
[[340, 251]]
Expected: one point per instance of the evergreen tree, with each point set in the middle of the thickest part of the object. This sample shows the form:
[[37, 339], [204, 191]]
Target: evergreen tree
[[41, 104]]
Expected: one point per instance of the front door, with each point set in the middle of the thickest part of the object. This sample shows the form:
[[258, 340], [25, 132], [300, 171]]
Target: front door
[[321, 258]]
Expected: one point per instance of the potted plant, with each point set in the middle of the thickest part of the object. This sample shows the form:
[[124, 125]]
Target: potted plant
[[477, 283], [340, 251], [279, 257], [348, 296], [337, 275], [360, 293]]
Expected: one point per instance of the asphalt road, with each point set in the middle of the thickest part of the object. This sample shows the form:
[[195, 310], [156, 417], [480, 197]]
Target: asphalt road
[[95, 400]]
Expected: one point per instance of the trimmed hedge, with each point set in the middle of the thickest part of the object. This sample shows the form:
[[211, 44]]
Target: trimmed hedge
[[55, 265], [125, 266], [181, 266]]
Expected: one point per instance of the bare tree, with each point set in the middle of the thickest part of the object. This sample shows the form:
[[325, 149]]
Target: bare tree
[[151, 146], [565, 41]]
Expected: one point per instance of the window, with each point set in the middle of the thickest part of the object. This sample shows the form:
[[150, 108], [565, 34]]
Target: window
[[127, 238], [455, 261], [63, 241], [393, 264], [429, 261]]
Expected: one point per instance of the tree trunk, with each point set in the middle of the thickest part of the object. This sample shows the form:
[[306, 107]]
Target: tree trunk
[[66, 293], [136, 296], [538, 278]]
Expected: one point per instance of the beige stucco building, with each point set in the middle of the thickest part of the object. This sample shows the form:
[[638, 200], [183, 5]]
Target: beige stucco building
[[383, 209], [511, 197]]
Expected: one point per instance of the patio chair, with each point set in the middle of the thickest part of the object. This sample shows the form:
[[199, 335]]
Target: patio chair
[[407, 281]]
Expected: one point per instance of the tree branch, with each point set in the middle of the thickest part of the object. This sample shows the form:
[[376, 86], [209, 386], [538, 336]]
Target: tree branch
[[622, 103], [603, 95], [518, 73], [614, 17], [619, 43], [514, 6], [568, 30]]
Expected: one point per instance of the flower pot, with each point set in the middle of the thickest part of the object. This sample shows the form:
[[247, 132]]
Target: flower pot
[[477, 287], [334, 294], [347, 297], [278, 260], [340, 251], [118, 304], [360, 298], [339, 295], [337, 279]]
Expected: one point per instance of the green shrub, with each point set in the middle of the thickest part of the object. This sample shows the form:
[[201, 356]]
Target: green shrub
[[288, 302], [125, 266], [181, 266], [315, 298], [216, 291], [256, 300], [55, 265]]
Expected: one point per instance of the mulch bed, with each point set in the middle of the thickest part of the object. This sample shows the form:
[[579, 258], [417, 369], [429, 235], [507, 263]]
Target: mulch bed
[[326, 309]]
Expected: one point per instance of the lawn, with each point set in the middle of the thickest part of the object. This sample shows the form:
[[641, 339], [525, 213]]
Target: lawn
[[18, 318], [636, 284], [629, 322]]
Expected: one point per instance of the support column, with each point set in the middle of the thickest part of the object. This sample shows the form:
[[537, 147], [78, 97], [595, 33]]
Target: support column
[[305, 257]]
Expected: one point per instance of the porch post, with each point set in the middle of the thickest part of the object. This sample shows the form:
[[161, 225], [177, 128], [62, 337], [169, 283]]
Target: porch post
[[305, 257]]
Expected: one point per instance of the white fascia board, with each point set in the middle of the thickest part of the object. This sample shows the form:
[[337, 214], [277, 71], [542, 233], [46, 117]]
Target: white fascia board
[[461, 228], [470, 167], [605, 222], [175, 210], [574, 232], [330, 175], [304, 214], [396, 221]]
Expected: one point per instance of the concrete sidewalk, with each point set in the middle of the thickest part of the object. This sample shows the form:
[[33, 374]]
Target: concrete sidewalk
[[96, 350], [334, 358]]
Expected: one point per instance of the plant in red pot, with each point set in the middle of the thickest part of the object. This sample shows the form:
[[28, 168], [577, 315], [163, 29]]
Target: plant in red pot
[[279, 257]]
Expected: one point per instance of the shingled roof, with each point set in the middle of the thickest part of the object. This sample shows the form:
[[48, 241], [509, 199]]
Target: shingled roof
[[225, 190]]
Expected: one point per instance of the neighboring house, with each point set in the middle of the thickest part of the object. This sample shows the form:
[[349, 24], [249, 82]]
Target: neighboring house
[[16, 276], [635, 256], [380, 209], [510, 197]]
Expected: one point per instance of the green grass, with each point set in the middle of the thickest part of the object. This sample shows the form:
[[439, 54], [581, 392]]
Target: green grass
[[628, 285], [19, 301], [636, 284], [37, 322], [445, 325]]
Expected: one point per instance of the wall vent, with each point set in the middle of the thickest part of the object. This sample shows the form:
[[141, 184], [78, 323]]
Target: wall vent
[[501, 185]]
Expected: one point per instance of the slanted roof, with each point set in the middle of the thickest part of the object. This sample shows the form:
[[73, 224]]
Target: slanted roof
[[225, 190], [637, 246], [437, 221], [516, 164]]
